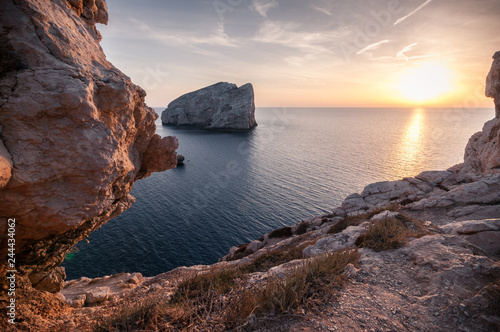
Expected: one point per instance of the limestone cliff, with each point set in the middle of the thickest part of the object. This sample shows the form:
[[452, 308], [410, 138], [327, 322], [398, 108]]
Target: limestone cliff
[[75, 133], [482, 154], [219, 106]]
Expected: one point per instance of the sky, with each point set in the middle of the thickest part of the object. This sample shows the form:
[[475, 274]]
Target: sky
[[315, 53]]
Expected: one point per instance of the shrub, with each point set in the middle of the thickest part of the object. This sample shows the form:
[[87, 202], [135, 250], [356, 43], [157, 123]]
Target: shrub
[[272, 259], [215, 280], [340, 226], [150, 313], [313, 281], [387, 234], [302, 228], [281, 232]]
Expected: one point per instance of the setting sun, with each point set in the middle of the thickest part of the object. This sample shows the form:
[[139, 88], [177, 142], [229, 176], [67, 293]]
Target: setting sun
[[426, 83]]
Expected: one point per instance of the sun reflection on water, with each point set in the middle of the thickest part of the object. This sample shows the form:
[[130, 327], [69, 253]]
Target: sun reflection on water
[[409, 150]]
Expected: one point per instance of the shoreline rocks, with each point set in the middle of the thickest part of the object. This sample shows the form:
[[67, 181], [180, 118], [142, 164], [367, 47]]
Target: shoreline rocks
[[222, 106]]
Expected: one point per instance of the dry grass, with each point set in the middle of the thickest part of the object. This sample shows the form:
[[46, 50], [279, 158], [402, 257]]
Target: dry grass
[[215, 280], [272, 259], [391, 233], [149, 314], [221, 300], [307, 285]]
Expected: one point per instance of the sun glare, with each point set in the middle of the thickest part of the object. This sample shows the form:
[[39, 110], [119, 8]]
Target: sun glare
[[426, 83]]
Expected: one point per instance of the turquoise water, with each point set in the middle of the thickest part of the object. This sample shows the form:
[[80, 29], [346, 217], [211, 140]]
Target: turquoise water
[[235, 187]]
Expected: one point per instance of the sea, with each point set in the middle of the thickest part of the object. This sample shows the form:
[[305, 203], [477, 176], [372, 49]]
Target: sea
[[236, 186]]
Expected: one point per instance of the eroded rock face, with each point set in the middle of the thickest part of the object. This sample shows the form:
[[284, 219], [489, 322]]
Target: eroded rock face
[[219, 106], [76, 129], [493, 82], [482, 154], [5, 166]]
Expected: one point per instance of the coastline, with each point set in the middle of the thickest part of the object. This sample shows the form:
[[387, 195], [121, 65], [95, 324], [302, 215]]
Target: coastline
[[420, 253]]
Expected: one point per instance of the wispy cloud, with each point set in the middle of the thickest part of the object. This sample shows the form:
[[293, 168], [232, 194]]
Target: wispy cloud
[[322, 10], [289, 34], [413, 12], [263, 6], [217, 37], [372, 47], [401, 54]]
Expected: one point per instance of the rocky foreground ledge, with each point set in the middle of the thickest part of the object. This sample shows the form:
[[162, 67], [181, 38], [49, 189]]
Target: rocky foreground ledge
[[418, 254]]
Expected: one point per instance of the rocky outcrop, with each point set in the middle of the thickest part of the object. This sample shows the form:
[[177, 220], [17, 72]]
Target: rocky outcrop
[[493, 83], [75, 131], [482, 154], [51, 282], [484, 234], [90, 292], [5, 166], [219, 106]]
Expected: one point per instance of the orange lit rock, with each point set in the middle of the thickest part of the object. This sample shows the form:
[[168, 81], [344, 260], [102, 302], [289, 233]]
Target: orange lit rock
[[77, 129]]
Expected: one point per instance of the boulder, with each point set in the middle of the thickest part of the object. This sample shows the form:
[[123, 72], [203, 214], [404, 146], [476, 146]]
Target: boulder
[[484, 234], [219, 106], [91, 292], [74, 130], [49, 281]]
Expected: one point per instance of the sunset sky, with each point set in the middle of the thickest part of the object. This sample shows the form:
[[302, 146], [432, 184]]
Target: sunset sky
[[321, 53]]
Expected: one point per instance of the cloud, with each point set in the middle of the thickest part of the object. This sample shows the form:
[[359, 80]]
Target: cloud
[[218, 37], [413, 12], [401, 54], [263, 6], [322, 10], [371, 47], [288, 34]]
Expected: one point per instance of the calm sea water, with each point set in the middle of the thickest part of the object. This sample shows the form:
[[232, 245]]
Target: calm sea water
[[235, 187]]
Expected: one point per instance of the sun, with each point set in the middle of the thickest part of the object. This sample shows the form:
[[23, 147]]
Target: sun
[[426, 83]]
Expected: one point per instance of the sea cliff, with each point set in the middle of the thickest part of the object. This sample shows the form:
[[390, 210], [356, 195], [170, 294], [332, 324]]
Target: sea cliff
[[75, 133], [420, 253]]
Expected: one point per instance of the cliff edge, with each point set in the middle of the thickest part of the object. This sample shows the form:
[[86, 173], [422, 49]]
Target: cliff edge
[[75, 133]]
